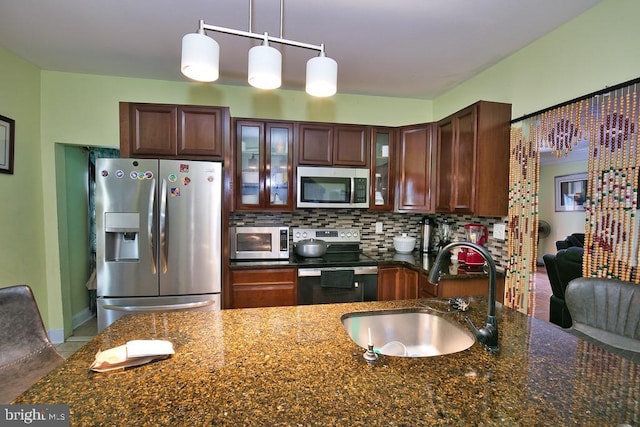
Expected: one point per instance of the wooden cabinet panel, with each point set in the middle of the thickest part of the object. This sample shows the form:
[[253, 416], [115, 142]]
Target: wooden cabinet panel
[[200, 131], [332, 145], [454, 287], [397, 283], [263, 288], [415, 169], [465, 165], [315, 144], [388, 282], [444, 184], [456, 162], [154, 129], [173, 131], [473, 160], [426, 289], [351, 146], [492, 173]]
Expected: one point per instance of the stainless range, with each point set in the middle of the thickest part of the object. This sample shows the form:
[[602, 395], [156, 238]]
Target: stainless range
[[342, 274]]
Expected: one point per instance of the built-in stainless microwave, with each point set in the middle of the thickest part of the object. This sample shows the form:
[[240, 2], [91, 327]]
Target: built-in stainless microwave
[[322, 187], [258, 242]]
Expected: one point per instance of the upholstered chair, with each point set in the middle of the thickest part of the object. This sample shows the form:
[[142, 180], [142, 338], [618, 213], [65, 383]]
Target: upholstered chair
[[26, 353], [606, 310], [562, 268]]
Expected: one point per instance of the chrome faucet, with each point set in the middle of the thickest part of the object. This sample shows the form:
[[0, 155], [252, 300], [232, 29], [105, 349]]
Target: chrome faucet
[[487, 335]]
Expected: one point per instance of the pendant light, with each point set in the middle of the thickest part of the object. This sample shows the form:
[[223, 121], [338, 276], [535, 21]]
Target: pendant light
[[200, 57], [265, 66], [322, 76]]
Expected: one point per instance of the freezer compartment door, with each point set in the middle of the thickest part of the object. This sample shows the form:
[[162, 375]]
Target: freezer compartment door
[[111, 309], [126, 230], [190, 227]]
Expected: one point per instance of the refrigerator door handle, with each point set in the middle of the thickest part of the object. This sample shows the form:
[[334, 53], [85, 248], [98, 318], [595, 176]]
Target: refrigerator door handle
[[161, 307], [150, 222], [163, 227]]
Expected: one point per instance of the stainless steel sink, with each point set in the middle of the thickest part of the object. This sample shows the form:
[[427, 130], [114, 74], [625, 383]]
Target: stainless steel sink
[[407, 332]]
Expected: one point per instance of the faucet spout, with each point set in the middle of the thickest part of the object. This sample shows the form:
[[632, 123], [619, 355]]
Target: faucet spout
[[488, 334]]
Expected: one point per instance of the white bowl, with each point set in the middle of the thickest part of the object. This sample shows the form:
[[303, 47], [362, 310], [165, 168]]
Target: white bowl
[[404, 244]]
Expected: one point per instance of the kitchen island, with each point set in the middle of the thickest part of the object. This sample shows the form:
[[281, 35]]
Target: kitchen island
[[296, 365]]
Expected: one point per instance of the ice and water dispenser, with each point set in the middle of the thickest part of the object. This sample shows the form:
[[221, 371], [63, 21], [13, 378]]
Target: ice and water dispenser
[[122, 236]]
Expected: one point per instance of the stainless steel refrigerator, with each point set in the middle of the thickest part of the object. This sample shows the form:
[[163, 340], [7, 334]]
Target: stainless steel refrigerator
[[158, 236]]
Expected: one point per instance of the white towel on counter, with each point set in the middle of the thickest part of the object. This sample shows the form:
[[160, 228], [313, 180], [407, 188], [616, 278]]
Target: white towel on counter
[[133, 353]]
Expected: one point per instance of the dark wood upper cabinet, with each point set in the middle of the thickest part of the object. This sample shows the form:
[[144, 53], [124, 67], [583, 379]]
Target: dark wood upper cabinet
[[332, 145], [383, 154], [351, 146], [315, 144], [415, 169], [173, 131], [263, 165], [473, 160]]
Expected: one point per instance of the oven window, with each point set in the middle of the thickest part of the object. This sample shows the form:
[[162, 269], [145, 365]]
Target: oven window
[[325, 189], [254, 242]]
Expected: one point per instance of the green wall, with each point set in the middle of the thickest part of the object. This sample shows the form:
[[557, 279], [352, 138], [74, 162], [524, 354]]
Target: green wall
[[597, 49], [562, 223], [22, 248]]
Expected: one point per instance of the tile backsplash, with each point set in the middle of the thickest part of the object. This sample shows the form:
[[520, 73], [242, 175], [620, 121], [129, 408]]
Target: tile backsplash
[[393, 224]]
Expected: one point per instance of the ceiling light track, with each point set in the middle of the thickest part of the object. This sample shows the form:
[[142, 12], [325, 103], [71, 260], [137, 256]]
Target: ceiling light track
[[200, 59], [257, 36]]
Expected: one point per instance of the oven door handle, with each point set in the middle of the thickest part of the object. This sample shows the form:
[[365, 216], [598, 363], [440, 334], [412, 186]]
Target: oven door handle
[[357, 271]]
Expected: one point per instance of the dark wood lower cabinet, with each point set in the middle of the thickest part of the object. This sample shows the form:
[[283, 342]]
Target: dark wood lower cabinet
[[263, 287], [454, 287], [396, 283]]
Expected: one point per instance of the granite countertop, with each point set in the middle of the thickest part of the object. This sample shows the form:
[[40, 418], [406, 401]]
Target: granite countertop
[[283, 366], [414, 260]]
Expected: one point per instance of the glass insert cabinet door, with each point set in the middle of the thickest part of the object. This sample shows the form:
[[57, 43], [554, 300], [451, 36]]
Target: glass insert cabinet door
[[382, 172], [279, 165], [264, 165], [250, 162]]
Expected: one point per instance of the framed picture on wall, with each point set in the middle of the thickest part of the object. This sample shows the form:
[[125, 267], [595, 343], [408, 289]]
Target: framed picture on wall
[[571, 192], [7, 138]]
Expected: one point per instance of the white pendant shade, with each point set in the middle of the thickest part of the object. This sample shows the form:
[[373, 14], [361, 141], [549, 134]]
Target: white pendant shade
[[322, 76], [265, 67], [200, 57]]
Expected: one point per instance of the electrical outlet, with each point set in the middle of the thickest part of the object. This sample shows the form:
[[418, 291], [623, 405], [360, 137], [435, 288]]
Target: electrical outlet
[[379, 228], [500, 231]]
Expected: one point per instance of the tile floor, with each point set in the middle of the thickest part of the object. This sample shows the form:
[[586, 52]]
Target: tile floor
[[81, 335], [85, 332], [543, 293]]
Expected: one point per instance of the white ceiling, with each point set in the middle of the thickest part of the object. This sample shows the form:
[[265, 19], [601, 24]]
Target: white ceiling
[[402, 48]]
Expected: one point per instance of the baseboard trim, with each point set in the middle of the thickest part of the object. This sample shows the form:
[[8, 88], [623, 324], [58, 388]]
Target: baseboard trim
[[81, 317], [56, 335]]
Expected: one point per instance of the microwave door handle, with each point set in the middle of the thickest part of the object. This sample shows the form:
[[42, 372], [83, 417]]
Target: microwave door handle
[[150, 229], [352, 195]]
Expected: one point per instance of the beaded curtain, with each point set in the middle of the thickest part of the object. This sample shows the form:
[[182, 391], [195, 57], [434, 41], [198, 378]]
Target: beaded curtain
[[611, 240], [609, 122], [522, 231]]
